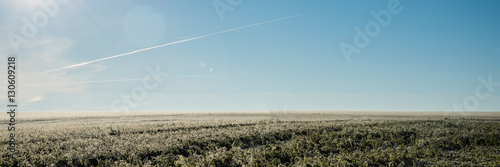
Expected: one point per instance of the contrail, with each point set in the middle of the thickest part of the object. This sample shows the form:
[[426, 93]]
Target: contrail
[[136, 79], [171, 43]]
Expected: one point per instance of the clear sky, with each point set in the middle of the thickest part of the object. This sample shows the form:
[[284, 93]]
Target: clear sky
[[265, 55]]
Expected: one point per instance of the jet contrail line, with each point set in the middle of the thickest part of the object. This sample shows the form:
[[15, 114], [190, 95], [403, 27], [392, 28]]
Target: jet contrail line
[[171, 43]]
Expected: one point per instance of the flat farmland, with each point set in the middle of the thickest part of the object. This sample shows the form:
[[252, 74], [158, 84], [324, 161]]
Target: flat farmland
[[254, 139]]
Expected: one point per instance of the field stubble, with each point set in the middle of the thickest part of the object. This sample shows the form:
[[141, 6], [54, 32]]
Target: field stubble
[[256, 139]]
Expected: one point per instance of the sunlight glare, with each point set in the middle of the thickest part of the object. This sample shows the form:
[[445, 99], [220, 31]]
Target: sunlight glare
[[28, 4]]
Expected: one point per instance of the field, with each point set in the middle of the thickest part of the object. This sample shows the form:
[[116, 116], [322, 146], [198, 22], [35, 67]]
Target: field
[[255, 139]]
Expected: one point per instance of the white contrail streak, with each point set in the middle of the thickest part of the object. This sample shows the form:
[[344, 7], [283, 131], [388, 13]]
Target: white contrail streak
[[171, 43], [137, 79]]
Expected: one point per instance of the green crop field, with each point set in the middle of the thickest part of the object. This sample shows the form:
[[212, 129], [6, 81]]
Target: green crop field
[[255, 139]]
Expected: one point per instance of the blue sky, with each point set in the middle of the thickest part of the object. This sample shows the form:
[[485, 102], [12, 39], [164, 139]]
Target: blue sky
[[427, 58]]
